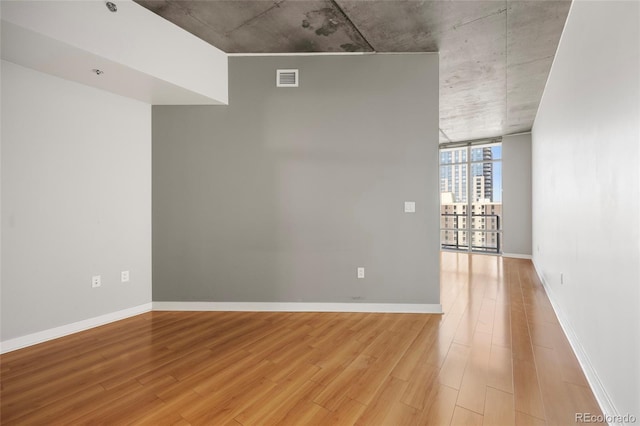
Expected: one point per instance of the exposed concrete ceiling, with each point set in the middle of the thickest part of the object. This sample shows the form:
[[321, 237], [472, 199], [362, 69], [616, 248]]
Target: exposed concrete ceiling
[[494, 55]]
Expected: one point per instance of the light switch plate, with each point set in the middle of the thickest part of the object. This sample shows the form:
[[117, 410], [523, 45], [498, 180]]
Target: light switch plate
[[360, 272], [409, 206]]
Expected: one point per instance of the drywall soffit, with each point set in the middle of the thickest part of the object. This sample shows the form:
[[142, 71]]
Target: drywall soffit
[[71, 39]]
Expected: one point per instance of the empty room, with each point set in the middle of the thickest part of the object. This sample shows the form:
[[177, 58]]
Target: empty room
[[331, 212]]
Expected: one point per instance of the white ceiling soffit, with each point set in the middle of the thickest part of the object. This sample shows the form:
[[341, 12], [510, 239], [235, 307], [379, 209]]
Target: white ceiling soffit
[[140, 54]]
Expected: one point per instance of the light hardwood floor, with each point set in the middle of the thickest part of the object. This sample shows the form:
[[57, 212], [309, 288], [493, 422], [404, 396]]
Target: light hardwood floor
[[496, 357]]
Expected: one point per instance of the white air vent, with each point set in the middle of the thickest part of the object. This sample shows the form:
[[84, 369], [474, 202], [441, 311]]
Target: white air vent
[[287, 78]]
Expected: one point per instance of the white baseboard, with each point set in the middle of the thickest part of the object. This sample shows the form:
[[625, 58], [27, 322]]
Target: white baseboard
[[54, 333], [517, 256], [435, 308], [599, 391], [64, 330]]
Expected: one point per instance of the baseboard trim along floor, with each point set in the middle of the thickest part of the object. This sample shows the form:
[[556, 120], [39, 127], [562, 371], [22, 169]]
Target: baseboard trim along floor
[[75, 327], [408, 308], [599, 391], [64, 330]]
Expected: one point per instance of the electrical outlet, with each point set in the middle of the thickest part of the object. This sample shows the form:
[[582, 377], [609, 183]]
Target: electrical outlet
[[360, 272], [409, 206], [96, 281], [124, 276]]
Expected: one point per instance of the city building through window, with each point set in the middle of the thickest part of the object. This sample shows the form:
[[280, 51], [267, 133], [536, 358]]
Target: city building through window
[[471, 197]]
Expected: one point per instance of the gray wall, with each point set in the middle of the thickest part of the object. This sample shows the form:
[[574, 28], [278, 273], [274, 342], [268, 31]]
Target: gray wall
[[280, 196], [586, 194], [76, 201], [516, 194]]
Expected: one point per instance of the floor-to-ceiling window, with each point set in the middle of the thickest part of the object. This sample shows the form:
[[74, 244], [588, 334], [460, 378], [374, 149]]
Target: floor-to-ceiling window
[[471, 197]]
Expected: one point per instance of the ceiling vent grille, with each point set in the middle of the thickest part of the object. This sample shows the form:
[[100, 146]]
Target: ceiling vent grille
[[287, 78]]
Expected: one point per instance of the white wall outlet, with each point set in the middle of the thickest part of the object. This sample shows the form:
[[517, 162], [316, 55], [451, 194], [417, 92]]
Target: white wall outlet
[[409, 206], [96, 281], [124, 276], [360, 272]]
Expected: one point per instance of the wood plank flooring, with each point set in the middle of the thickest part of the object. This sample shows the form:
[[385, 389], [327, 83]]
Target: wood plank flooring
[[496, 357]]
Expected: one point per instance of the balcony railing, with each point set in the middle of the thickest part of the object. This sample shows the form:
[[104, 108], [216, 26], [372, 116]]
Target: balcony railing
[[483, 246]]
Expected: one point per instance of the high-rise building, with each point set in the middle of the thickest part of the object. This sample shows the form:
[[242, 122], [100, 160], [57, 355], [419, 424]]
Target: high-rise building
[[481, 229], [470, 218], [453, 174], [482, 173]]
